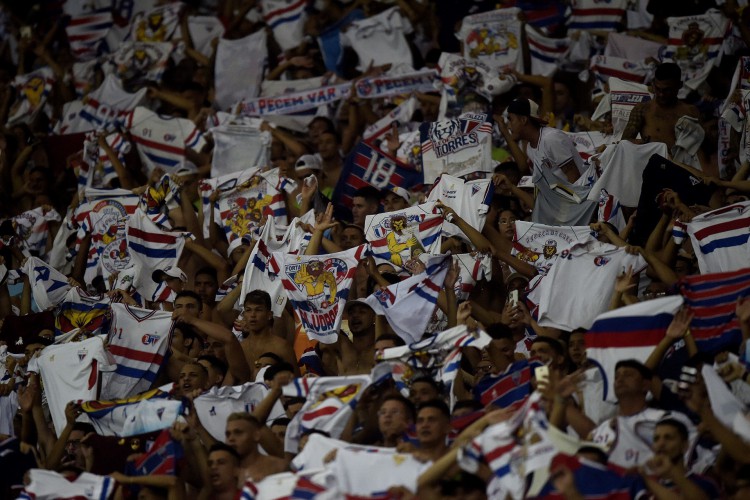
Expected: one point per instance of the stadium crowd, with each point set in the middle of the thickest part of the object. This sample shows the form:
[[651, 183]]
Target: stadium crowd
[[296, 249]]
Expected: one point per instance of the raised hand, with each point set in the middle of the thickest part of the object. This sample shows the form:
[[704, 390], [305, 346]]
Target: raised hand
[[680, 324]]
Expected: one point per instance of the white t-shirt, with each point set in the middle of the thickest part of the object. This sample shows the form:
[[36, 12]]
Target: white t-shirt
[[622, 166], [71, 372], [629, 439], [51, 485], [380, 39], [580, 285], [162, 140], [721, 238], [540, 244], [354, 471], [138, 340], [218, 403], [470, 200], [554, 149]]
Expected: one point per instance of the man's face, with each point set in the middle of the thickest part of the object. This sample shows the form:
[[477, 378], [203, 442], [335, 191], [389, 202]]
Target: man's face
[[74, 450], [577, 348], [419, 392], [215, 378], [543, 352], [192, 377], [188, 305], [179, 343], [361, 208], [515, 124], [223, 469], [175, 284], [393, 202], [665, 92], [256, 318], [629, 382], [206, 286], [669, 442], [30, 351], [432, 426], [328, 147], [502, 348], [242, 436], [279, 430], [361, 317], [507, 224], [351, 237], [393, 418]]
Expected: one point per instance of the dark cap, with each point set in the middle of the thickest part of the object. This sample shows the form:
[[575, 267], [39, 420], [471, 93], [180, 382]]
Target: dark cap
[[526, 107]]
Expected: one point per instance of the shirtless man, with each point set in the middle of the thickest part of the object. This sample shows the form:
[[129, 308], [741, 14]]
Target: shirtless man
[[257, 329], [655, 120], [354, 356], [243, 434]]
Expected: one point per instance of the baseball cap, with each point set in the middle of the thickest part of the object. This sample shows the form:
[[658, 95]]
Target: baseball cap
[[172, 272], [398, 191], [351, 303], [307, 162], [526, 107]]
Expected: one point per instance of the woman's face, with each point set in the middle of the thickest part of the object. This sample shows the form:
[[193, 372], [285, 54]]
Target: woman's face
[[507, 224]]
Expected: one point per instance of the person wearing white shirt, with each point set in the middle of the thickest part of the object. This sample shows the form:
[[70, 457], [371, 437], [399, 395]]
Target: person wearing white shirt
[[547, 148]]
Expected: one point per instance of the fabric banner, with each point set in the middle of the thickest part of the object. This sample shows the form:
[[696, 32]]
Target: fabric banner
[[400, 114], [32, 90], [547, 54], [287, 20], [88, 27], [48, 285], [318, 286], [389, 85], [630, 332], [396, 237], [713, 300], [141, 61], [695, 45], [623, 97], [408, 305], [147, 412], [457, 146], [294, 102], [330, 402], [494, 38], [368, 166]]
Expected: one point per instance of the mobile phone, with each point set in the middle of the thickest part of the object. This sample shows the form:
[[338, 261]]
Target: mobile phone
[[513, 298], [541, 374]]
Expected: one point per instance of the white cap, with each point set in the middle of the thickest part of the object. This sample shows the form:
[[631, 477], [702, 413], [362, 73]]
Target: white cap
[[173, 272], [235, 244], [307, 162], [401, 193]]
